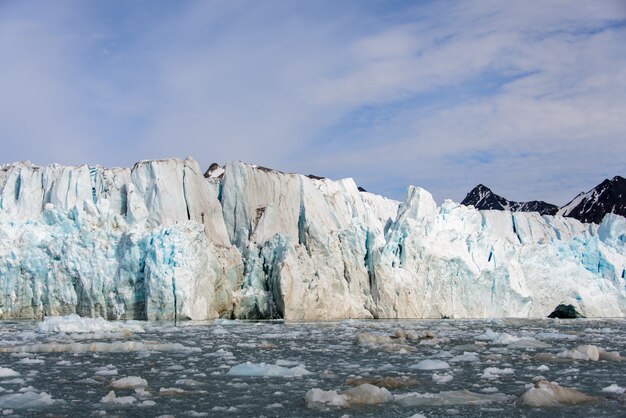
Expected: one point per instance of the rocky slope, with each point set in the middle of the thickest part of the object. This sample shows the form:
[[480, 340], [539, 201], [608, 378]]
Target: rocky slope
[[607, 197]]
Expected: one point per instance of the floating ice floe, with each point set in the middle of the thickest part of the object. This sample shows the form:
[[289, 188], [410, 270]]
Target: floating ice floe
[[382, 342], [178, 392], [114, 347], [614, 389], [27, 400], [74, 324], [129, 382], [430, 365], [442, 378], [555, 336], [545, 393], [364, 394], [219, 330], [108, 370], [467, 356], [190, 382], [388, 382], [582, 352], [263, 369], [122, 400], [495, 373], [31, 361], [6, 372], [455, 397], [511, 341]]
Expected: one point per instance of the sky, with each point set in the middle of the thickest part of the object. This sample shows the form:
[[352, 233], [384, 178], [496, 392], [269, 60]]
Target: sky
[[525, 97]]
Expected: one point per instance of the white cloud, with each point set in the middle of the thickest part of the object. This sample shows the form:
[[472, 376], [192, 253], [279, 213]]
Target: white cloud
[[525, 96]]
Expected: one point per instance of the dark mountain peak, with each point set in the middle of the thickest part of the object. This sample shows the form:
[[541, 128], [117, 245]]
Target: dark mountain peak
[[607, 197], [483, 198]]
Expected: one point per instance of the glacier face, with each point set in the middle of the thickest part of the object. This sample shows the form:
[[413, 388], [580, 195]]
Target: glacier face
[[159, 241]]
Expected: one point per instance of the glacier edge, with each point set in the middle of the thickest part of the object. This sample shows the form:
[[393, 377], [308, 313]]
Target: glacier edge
[[160, 242]]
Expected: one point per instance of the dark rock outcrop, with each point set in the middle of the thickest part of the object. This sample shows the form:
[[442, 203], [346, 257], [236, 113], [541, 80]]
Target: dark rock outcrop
[[565, 312]]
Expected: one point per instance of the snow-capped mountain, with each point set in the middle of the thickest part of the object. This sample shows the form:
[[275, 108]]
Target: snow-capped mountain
[[607, 197], [161, 241], [481, 197]]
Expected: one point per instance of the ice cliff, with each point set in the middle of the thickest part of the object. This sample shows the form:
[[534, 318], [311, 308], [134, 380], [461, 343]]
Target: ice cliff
[[159, 241]]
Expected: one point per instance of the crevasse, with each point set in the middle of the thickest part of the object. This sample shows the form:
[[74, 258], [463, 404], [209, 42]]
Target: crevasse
[[160, 242]]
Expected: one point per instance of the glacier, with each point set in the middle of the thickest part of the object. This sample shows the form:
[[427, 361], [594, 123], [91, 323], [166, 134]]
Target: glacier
[[159, 241]]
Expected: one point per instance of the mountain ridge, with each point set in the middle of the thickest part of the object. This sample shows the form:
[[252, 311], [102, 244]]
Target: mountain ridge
[[607, 197]]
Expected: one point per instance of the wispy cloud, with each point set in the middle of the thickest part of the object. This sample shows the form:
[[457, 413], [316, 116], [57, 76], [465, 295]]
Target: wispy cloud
[[527, 97]]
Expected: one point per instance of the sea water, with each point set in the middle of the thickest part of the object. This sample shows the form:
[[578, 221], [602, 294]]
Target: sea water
[[85, 367]]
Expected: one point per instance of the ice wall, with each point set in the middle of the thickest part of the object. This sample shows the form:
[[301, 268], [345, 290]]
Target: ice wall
[[159, 241], [146, 243]]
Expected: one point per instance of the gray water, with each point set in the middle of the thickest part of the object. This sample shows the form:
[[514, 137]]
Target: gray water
[[77, 382]]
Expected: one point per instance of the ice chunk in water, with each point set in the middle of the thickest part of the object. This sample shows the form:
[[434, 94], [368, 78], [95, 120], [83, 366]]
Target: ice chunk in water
[[262, 369], [582, 352], [456, 397], [26, 400], [367, 394], [364, 394], [494, 372], [129, 382], [614, 389], [6, 372], [430, 365], [545, 393], [466, 356], [123, 400], [108, 370], [76, 324], [442, 378], [96, 347]]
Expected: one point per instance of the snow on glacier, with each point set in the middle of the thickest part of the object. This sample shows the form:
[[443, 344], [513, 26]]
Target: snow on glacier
[[161, 242]]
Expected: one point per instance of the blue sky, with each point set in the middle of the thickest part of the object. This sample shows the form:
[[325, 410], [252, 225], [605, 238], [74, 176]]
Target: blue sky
[[527, 97]]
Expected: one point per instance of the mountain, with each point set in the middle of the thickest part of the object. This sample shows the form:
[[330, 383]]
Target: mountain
[[607, 197], [160, 241], [481, 197]]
